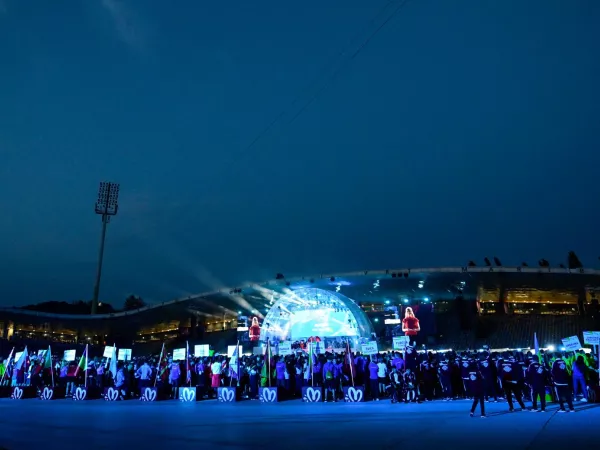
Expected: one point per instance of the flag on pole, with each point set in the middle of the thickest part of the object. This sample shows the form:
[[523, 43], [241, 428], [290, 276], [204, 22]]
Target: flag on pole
[[187, 363], [22, 360], [83, 362], [48, 363], [234, 367], [113, 362], [163, 363], [48, 359], [4, 366], [350, 361], [536, 345], [266, 368], [159, 371], [9, 359], [311, 362]]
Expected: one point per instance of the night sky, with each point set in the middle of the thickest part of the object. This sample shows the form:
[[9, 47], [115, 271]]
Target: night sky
[[256, 137]]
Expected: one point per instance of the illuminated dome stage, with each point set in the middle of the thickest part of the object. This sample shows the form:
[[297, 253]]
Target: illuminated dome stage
[[311, 312]]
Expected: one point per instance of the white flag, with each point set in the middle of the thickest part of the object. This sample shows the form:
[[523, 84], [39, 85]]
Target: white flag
[[113, 362]]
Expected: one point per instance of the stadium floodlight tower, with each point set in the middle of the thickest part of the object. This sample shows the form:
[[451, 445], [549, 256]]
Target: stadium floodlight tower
[[106, 206]]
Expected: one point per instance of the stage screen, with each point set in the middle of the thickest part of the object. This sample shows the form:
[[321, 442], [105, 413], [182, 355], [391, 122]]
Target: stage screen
[[322, 323]]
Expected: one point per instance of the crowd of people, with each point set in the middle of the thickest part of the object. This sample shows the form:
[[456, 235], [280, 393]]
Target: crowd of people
[[400, 377]]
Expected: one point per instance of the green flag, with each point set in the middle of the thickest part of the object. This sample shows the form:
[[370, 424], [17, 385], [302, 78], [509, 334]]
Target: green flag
[[48, 359], [83, 362]]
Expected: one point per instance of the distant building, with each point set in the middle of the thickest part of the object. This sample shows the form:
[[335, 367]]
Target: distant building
[[467, 298]]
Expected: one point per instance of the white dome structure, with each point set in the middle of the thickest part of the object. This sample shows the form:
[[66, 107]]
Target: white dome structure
[[312, 312]]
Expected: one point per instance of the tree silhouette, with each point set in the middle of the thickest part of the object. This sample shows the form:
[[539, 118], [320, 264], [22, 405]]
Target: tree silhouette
[[133, 302]]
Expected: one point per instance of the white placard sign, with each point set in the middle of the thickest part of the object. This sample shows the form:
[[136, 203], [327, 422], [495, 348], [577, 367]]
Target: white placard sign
[[571, 344], [107, 352], [124, 354], [231, 350], [591, 337], [69, 355], [201, 350], [179, 354], [41, 354], [401, 342], [285, 348], [370, 348]]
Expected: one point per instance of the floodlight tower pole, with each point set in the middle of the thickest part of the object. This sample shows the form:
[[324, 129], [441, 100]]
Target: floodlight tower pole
[[106, 206]]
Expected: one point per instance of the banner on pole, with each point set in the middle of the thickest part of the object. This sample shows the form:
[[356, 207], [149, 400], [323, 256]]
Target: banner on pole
[[401, 342], [370, 348], [571, 344], [179, 354], [591, 337], [285, 348], [124, 354], [202, 350], [317, 348], [68, 356]]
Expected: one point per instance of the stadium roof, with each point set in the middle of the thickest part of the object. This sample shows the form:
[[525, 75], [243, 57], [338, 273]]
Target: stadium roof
[[367, 286]]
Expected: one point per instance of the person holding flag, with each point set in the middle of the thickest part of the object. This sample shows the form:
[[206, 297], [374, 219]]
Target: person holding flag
[[174, 378], [20, 367]]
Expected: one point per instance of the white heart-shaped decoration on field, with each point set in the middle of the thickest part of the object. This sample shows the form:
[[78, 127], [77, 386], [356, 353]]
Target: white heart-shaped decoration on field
[[312, 395], [17, 393], [354, 395], [150, 394], [227, 395], [112, 394], [47, 394], [269, 395], [80, 394], [188, 395]]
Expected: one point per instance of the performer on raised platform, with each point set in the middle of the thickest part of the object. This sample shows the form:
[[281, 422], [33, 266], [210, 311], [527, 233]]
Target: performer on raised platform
[[410, 324], [254, 331]]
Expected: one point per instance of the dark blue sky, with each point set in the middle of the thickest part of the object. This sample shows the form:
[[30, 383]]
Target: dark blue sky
[[462, 129]]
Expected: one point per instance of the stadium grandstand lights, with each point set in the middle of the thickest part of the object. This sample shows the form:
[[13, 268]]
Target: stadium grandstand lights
[[107, 205], [303, 279]]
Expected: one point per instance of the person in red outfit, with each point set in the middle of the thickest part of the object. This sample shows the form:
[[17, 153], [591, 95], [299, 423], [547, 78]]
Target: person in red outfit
[[254, 330], [410, 324]]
